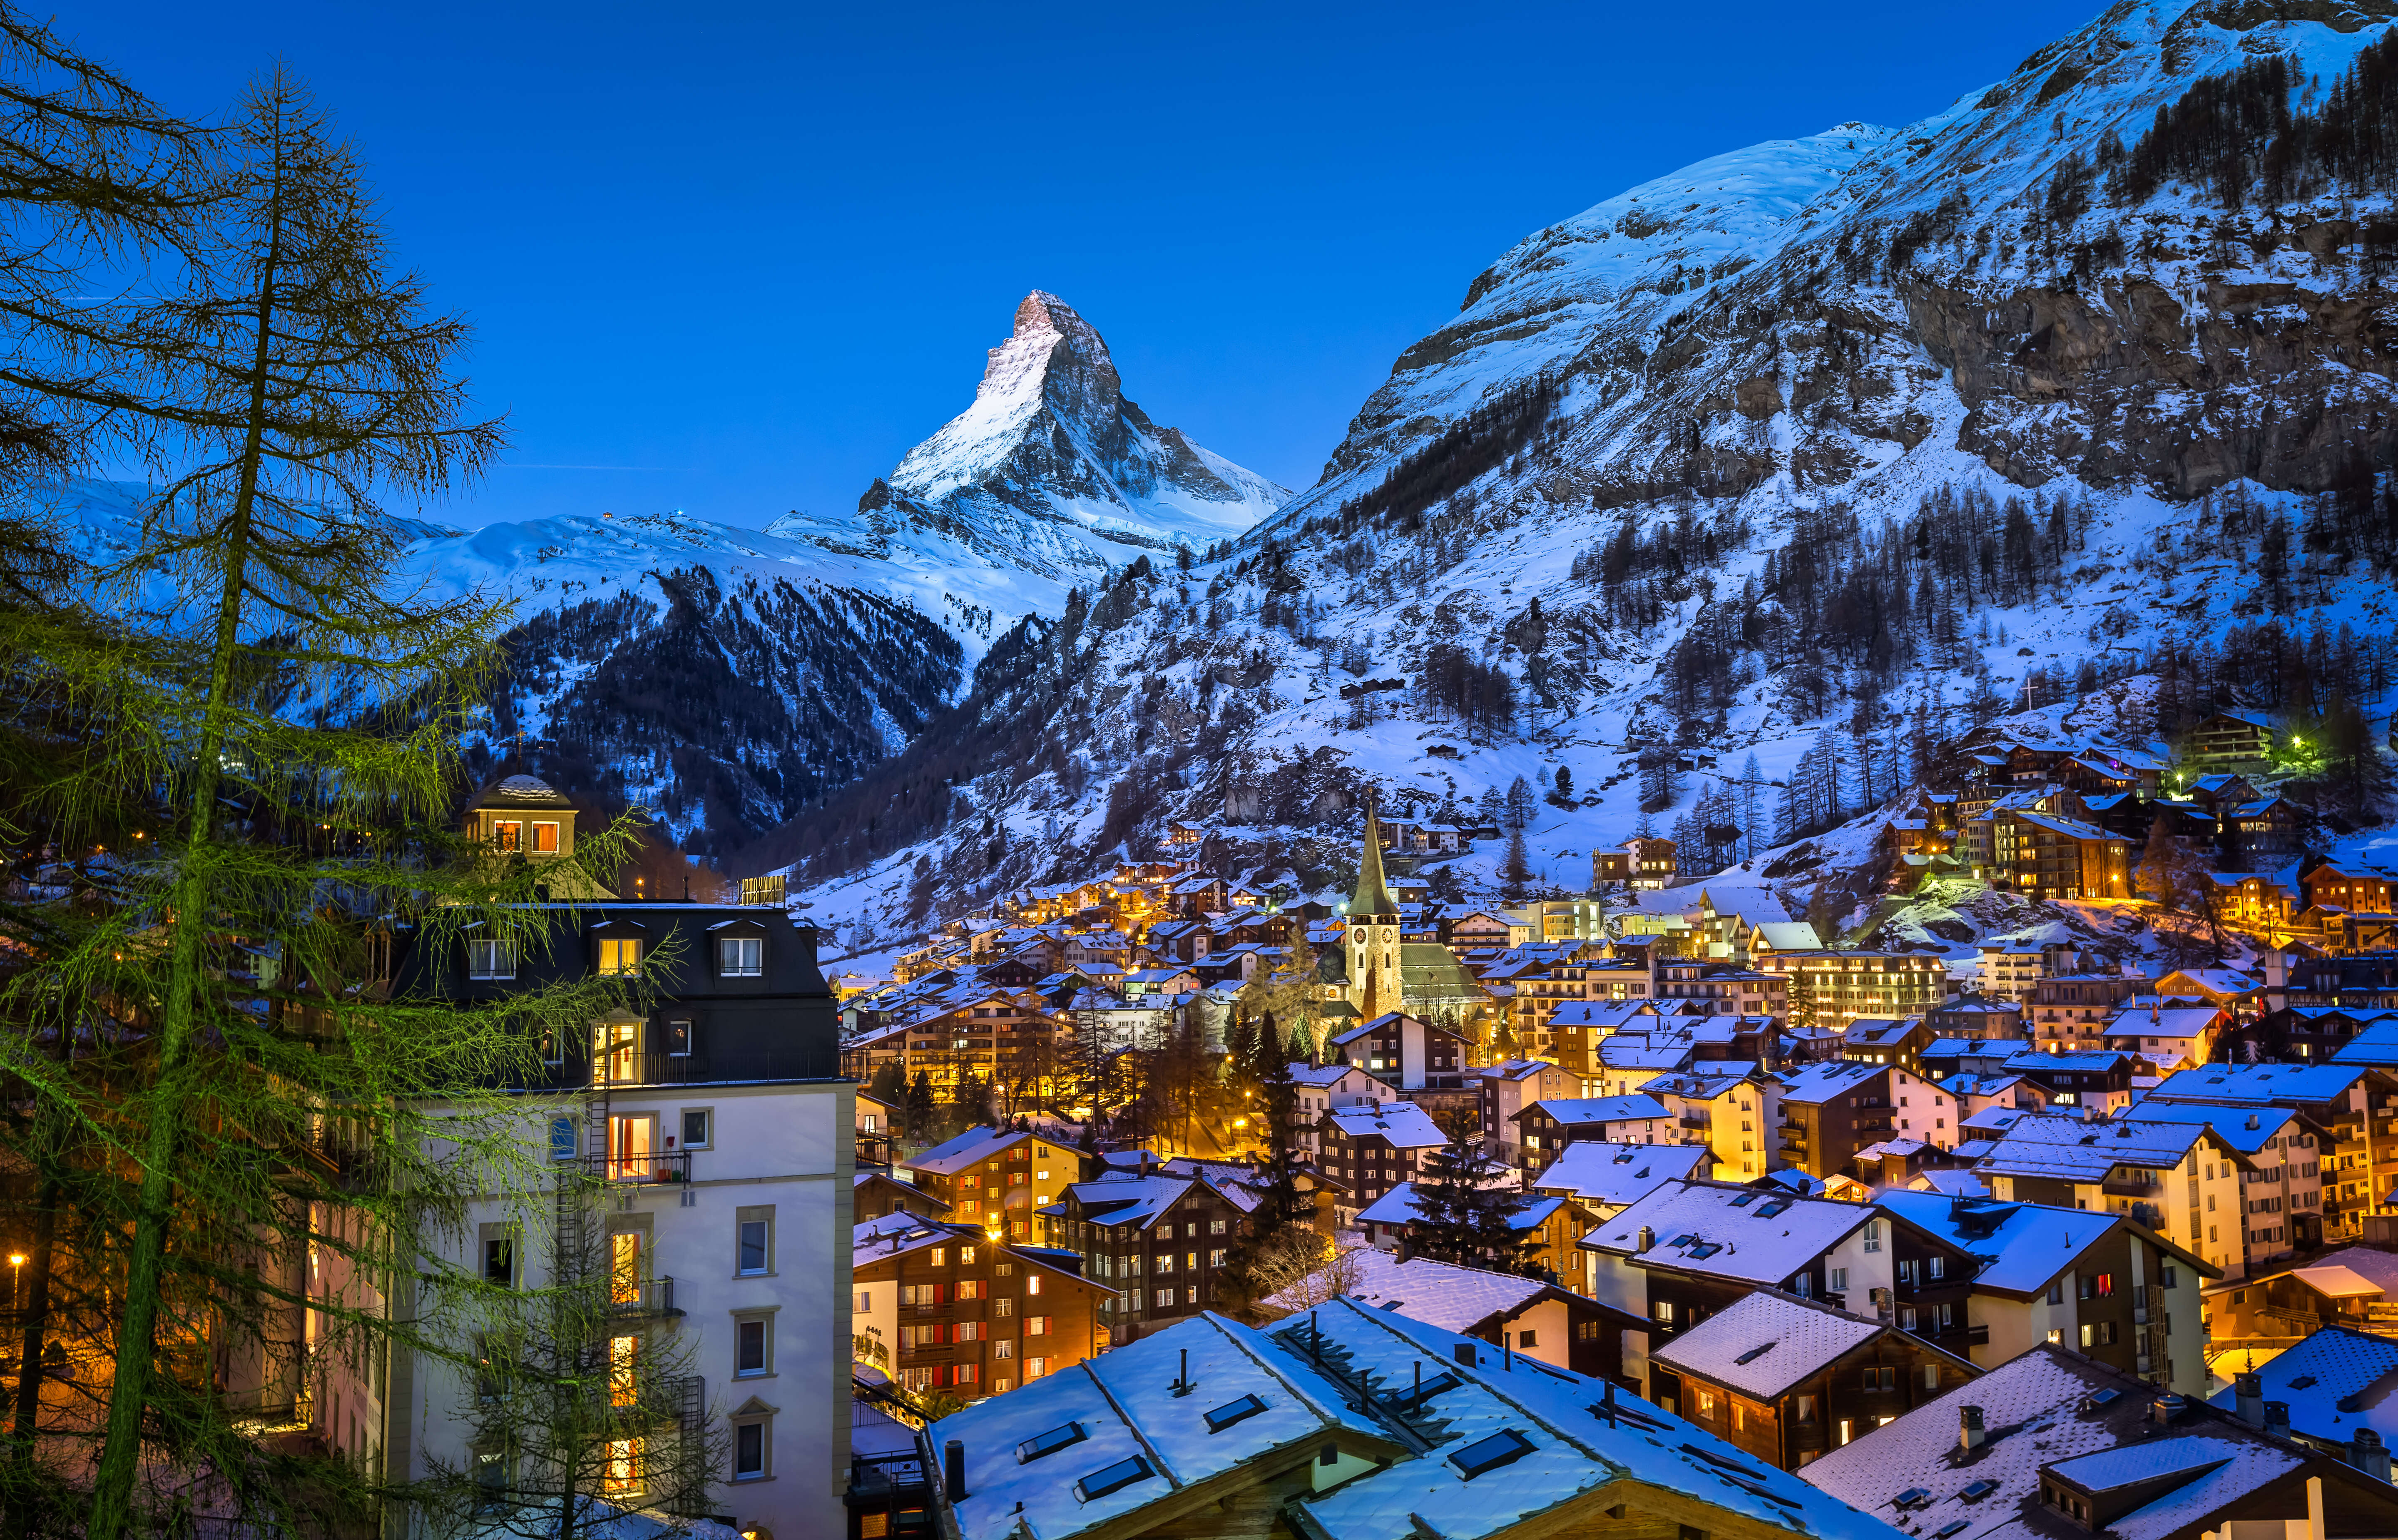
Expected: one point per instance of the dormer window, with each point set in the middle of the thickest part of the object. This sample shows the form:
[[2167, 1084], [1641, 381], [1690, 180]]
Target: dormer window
[[620, 957], [741, 956], [490, 959]]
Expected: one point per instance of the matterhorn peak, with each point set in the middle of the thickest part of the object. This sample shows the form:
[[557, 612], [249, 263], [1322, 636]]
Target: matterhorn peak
[[1053, 469]]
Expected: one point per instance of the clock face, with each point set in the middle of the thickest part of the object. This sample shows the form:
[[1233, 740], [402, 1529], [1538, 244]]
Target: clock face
[[1358, 936]]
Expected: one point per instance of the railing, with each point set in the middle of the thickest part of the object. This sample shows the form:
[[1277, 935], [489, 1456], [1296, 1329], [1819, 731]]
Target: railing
[[652, 1297], [2114, 1188], [650, 1166]]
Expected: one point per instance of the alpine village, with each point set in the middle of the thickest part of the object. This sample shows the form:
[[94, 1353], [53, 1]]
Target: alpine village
[[1767, 914]]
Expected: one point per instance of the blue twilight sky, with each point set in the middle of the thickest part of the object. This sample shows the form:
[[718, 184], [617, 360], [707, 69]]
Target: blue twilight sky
[[742, 257]]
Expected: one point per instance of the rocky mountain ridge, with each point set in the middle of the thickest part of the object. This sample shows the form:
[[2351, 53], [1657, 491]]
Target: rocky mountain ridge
[[1761, 478]]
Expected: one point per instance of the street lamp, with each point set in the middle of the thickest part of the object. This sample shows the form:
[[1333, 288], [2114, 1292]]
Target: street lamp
[[16, 1273]]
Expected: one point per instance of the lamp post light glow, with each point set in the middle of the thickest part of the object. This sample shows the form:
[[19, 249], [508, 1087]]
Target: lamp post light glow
[[16, 1275]]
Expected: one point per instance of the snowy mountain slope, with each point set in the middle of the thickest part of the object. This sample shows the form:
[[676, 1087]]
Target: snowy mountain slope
[[1820, 451], [1051, 473]]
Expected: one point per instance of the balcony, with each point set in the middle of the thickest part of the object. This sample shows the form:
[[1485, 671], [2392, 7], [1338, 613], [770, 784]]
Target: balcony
[[654, 1166], [2153, 1191], [652, 1297]]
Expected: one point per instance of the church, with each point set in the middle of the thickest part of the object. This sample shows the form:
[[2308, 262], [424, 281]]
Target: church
[[1375, 973]]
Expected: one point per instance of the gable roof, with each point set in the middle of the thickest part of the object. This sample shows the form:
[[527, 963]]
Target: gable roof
[[2034, 1408], [1745, 1234], [971, 1147], [1821, 1083], [1769, 1341], [2022, 1247], [1582, 1111], [1597, 1171], [2335, 1382], [2257, 1084], [2063, 1147], [1405, 1125]]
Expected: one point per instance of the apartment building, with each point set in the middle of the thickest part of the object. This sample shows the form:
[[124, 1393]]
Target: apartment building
[[1737, 1117], [2354, 1108], [1318, 1088], [944, 1308], [2281, 1184], [1502, 1091], [2069, 1011], [1158, 1242], [997, 1179], [1831, 989], [1373, 1148], [2178, 1178]]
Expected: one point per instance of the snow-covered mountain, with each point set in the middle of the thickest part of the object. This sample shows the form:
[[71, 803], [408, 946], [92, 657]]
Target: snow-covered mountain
[[1051, 479], [725, 677], [1819, 453]]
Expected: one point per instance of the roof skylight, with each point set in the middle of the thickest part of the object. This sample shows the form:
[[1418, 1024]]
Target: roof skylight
[[1224, 1416], [1502, 1448], [1049, 1443], [1115, 1477]]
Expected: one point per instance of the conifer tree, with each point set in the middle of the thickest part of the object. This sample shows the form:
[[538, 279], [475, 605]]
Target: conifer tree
[[281, 733]]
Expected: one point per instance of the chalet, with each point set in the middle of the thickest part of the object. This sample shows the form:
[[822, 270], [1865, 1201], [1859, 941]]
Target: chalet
[[1318, 1088], [2354, 1286], [993, 1177], [1525, 1316], [879, 1194], [2046, 856], [1881, 1040], [1976, 1015], [2333, 1390], [1501, 1091], [1787, 1379], [2167, 1036], [1829, 1112], [2254, 836], [1735, 1114], [1482, 927], [952, 1311], [1691, 1251], [1372, 1148], [1653, 862], [1259, 1447], [2343, 1101], [1605, 1178], [2094, 1080], [2056, 1445], [2281, 1180], [2236, 743], [1406, 1051], [1546, 1128], [2098, 1283], [2073, 1010], [1160, 1242]]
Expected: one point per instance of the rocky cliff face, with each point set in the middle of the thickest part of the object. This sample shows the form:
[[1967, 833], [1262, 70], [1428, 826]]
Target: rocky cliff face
[[1051, 472]]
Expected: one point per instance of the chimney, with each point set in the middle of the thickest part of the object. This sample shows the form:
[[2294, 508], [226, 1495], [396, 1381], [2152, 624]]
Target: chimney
[[954, 1471], [1648, 1238], [2166, 1408], [2248, 1399], [1969, 1432], [2367, 1453], [2277, 1419]]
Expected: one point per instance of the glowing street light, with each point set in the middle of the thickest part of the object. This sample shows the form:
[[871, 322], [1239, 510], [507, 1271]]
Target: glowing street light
[[16, 1274]]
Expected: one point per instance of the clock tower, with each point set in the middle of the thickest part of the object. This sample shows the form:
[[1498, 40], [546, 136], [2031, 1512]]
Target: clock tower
[[1373, 938]]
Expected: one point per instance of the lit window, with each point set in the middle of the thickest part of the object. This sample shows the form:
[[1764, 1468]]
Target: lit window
[[620, 957]]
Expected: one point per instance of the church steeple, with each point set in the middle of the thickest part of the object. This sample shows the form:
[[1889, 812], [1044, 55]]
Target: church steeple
[[1373, 895]]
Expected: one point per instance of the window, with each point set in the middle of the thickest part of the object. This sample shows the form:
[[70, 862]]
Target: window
[[865, 1302], [1526, 1339], [1502, 1448], [621, 1477], [620, 957], [1033, 1284], [2056, 1336], [753, 1344], [1115, 1477], [544, 840], [1806, 1408], [508, 833], [1164, 1299], [1847, 1429], [625, 1266], [1873, 1235], [1938, 1265], [972, 1288], [1882, 1378], [1838, 1280], [491, 959], [2057, 1293], [1036, 1326], [500, 1260], [624, 1370], [698, 1126], [969, 1330], [741, 956], [755, 1234], [1002, 1309], [749, 1447], [678, 1039]]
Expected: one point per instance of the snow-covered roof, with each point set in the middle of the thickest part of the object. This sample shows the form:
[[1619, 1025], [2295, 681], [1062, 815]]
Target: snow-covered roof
[[1748, 1234], [1404, 1124], [2350, 1271], [1321, 1075], [2034, 1409], [2180, 1021], [2247, 1129], [1578, 1111], [1630, 1052], [2023, 1246], [2284, 1084], [1789, 935], [2093, 1060], [1814, 1083], [1879, 1031], [975, 1144], [1515, 1069], [1615, 1015], [1950, 1184], [1135, 1201], [1399, 1206], [2063, 1147], [1766, 1343], [1596, 1172], [2334, 1382]]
